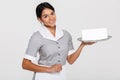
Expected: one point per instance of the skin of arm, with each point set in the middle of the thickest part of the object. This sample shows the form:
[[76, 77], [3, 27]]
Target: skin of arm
[[28, 65], [73, 57]]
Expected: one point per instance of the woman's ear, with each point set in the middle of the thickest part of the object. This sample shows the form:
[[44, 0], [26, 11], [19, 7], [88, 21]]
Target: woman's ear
[[40, 21]]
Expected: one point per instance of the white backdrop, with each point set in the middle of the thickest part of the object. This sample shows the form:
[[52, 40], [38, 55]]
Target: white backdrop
[[100, 61]]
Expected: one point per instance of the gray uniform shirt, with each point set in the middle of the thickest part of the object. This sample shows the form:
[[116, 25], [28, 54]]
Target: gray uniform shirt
[[50, 52]]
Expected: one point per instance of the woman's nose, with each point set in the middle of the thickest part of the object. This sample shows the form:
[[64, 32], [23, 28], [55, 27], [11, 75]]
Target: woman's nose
[[50, 17]]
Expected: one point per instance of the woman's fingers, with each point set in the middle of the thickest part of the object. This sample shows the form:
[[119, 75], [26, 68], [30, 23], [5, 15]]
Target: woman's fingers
[[88, 43], [56, 68]]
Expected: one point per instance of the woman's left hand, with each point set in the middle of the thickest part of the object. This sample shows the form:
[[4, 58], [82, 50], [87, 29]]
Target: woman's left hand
[[87, 43]]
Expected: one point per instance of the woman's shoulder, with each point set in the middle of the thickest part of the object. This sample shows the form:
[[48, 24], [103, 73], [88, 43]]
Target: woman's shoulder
[[36, 35], [66, 32]]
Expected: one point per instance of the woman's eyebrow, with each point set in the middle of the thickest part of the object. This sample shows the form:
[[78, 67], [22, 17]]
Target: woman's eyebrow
[[44, 14]]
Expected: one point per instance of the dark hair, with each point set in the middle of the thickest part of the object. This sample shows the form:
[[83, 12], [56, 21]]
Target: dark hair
[[41, 7]]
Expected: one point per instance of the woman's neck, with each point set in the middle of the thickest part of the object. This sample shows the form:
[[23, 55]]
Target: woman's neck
[[52, 30]]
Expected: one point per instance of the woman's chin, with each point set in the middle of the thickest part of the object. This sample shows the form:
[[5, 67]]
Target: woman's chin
[[53, 25], [50, 26]]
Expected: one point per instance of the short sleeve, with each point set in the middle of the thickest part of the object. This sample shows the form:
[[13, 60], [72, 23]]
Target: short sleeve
[[33, 47], [70, 44]]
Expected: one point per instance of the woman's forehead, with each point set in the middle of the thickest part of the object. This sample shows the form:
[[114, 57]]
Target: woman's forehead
[[47, 11]]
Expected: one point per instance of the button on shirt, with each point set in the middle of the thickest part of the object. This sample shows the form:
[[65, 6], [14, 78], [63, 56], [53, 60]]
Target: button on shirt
[[52, 50]]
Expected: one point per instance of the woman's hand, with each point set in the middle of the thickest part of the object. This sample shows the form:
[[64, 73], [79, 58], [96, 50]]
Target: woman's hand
[[87, 43], [56, 68]]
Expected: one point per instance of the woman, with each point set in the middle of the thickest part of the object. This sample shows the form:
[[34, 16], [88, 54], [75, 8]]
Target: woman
[[53, 45]]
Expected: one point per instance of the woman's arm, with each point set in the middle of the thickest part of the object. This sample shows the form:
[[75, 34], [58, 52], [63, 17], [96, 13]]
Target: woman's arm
[[28, 65], [72, 58]]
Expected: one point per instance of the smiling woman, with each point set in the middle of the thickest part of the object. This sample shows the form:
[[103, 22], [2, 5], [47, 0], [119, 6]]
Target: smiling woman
[[48, 17], [53, 44]]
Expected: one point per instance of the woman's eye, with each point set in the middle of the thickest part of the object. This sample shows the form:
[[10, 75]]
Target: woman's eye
[[45, 16], [52, 13]]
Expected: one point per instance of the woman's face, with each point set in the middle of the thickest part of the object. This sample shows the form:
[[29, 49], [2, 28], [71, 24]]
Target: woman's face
[[48, 17]]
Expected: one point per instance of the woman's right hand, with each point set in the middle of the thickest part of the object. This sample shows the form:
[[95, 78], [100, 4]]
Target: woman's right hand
[[56, 68]]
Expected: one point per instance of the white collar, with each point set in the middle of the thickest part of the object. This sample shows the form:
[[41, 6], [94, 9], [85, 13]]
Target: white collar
[[47, 34]]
